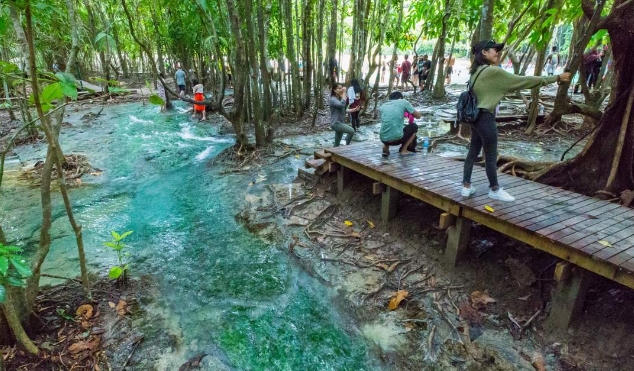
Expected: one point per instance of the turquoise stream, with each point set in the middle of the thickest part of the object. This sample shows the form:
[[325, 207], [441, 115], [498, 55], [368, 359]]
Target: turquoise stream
[[217, 286]]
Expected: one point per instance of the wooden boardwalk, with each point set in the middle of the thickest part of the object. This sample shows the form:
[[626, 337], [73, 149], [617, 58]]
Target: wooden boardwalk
[[587, 232]]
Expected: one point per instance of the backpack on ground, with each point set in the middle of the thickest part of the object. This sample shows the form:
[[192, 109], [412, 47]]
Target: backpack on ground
[[467, 107]]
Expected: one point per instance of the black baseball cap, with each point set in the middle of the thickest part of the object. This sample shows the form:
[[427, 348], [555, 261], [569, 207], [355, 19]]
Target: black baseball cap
[[486, 44]]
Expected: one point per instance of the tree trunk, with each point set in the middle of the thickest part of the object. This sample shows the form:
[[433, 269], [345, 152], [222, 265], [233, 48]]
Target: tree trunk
[[331, 47], [255, 98], [291, 54], [397, 36], [307, 37], [240, 74], [607, 160], [439, 87], [74, 35], [486, 25], [265, 75], [321, 63]]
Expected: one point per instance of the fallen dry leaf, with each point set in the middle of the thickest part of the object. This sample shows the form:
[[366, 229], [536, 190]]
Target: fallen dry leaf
[[480, 299], [396, 299], [83, 345], [382, 266], [355, 234], [538, 362], [121, 308], [112, 305], [605, 243], [488, 208], [392, 267], [371, 224], [347, 223], [468, 313], [524, 298], [84, 311]]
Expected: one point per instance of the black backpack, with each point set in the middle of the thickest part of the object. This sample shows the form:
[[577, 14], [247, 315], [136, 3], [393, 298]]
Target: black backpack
[[467, 106]]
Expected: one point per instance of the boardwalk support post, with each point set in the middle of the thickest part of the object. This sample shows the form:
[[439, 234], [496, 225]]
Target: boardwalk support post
[[568, 296], [389, 199], [457, 240], [342, 179]]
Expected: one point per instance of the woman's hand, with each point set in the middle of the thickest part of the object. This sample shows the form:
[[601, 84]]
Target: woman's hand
[[565, 77]]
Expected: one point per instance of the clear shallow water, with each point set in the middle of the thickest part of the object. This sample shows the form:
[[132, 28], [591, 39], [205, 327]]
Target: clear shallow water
[[218, 287]]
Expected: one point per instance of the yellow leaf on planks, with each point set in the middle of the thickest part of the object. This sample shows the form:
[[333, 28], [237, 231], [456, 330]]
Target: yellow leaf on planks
[[347, 223], [605, 243], [488, 208]]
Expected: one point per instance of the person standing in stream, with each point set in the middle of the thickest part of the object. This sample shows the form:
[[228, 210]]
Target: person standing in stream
[[492, 84]]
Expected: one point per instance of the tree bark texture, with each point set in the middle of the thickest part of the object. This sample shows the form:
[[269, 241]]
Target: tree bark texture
[[486, 24], [607, 160], [439, 87]]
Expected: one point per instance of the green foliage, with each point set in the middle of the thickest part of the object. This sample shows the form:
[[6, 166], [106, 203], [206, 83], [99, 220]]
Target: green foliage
[[104, 41], [117, 244], [13, 269], [155, 99]]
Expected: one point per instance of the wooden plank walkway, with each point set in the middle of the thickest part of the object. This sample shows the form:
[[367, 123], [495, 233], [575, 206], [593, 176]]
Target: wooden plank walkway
[[594, 234]]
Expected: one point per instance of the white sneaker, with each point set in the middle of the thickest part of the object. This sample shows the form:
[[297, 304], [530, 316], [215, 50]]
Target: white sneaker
[[466, 192], [501, 195]]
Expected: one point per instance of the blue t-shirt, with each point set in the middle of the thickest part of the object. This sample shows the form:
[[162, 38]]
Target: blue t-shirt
[[180, 77], [392, 119]]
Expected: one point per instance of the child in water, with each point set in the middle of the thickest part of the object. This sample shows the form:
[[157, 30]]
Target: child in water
[[198, 97]]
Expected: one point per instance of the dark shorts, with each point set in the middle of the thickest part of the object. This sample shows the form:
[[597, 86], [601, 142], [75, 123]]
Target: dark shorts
[[405, 77], [408, 131], [422, 76], [449, 70], [181, 87]]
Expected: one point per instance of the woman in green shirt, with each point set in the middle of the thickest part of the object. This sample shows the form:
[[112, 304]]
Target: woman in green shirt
[[492, 84]]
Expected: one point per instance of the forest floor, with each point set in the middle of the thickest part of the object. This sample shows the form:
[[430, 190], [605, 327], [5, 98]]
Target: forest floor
[[468, 315]]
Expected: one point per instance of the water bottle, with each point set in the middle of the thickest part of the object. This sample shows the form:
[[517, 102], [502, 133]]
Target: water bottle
[[425, 145]]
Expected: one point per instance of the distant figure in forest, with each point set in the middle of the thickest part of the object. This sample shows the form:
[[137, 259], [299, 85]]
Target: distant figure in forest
[[198, 97], [423, 71], [383, 70], [160, 90], [450, 61], [355, 99], [337, 102], [392, 132], [552, 61], [179, 76], [490, 84], [592, 65], [406, 72], [333, 67]]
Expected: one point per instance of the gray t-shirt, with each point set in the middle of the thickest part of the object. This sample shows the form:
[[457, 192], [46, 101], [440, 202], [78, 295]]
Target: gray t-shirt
[[337, 110], [180, 77], [392, 119]]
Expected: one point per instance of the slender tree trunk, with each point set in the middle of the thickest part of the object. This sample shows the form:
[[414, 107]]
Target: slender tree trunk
[[292, 56], [397, 37], [307, 37], [331, 47], [439, 87], [486, 25], [265, 75], [321, 63], [74, 35]]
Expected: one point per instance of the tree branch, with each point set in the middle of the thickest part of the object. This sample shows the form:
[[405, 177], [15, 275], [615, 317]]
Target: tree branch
[[586, 110]]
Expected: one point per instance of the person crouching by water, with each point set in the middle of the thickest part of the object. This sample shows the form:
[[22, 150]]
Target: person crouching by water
[[198, 97], [492, 84], [392, 131], [338, 102]]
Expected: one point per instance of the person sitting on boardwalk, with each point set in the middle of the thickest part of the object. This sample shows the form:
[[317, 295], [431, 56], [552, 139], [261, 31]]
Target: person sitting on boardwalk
[[199, 97], [337, 102], [489, 89], [392, 131]]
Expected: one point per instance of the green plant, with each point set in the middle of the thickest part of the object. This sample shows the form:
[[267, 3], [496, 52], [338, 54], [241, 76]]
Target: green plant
[[118, 271], [13, 269]]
